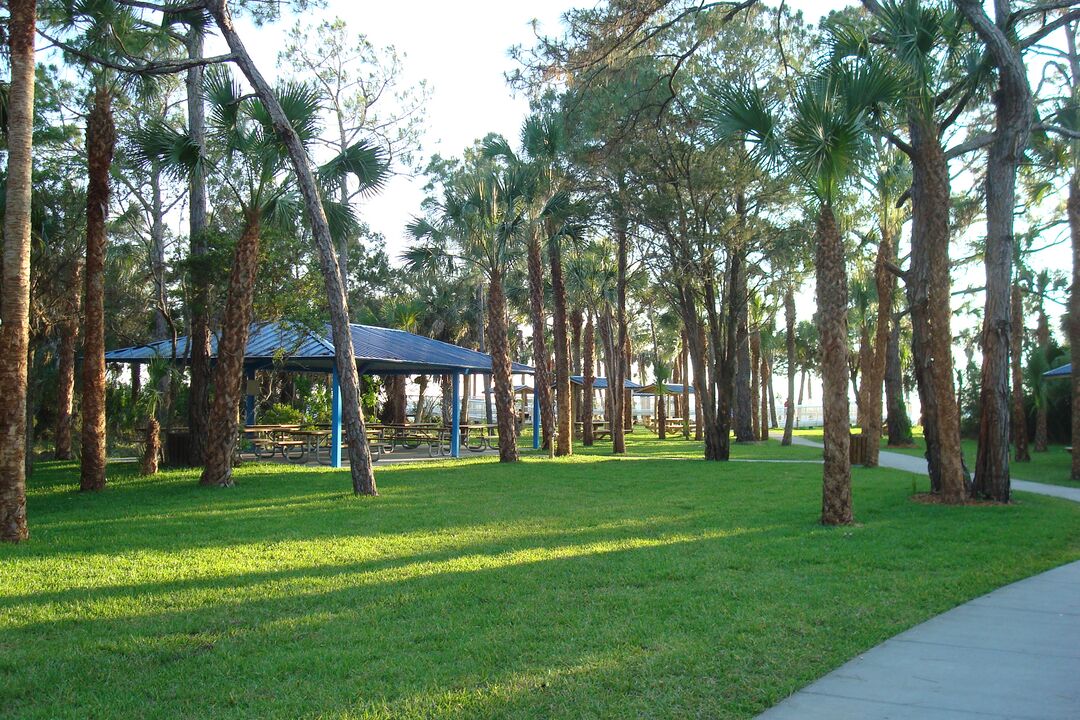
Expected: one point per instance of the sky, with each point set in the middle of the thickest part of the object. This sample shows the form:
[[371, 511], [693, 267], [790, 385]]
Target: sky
[[461, 50]]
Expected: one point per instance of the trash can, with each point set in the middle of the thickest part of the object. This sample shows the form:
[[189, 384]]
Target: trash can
[[858, 449], [178, 448]]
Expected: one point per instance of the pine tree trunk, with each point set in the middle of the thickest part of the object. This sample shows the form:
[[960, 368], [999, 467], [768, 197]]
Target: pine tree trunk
[[684, 363], [564, 417], [615, 380], [577, 326], [65, 382], [500, 370], [744, 404], [789, 321], [1013, 115], [1073, 210], [100, 143], [15, 289], [363, 478], [199, 338], [588, 363], [1016, 345], [764, 413], [832, 328], [1042, 336], [446, 385], [229, 369]]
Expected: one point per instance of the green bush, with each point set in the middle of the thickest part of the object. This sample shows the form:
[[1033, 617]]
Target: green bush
[[281, 414]]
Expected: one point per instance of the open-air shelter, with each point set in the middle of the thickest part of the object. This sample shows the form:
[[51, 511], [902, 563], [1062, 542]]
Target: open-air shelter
[[289, 347]]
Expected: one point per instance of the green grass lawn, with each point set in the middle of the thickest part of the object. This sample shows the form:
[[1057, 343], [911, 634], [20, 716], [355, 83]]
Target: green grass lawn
[[588, 587], [1053, 466]]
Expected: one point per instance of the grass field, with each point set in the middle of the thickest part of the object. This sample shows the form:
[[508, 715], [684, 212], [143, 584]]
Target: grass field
[[1053, 466], [590, 587]]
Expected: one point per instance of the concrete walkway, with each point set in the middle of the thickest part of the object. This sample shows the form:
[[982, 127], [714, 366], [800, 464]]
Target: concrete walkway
[[1014, 653], [910, 463]]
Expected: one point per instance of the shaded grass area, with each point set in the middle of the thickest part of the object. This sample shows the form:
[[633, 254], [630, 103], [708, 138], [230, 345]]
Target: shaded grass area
[[582, 588], [1053, 466]]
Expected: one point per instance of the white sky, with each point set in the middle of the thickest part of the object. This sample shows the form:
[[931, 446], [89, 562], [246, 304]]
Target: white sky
[[460, 48]]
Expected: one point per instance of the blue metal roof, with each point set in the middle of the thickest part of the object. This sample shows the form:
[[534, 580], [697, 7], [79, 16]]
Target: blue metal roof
[[293, 347], [1063, 371], [670, 388], [600, 383]]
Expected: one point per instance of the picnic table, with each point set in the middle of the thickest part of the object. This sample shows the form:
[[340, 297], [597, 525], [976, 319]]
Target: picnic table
[[601, 428], [269, 440]]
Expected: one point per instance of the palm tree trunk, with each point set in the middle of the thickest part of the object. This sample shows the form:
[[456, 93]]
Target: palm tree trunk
[[896, 404], [363, 477], [588, 363], [152, 449], [229, 370], [500, 370], [100, 142], [564, 417], [874, 373], [446, 385], [789, 320], [755, 384], [65, 382], [832, 327], [1016, 345], [199, 337], [931, 313], [577, 325], [15, 290]]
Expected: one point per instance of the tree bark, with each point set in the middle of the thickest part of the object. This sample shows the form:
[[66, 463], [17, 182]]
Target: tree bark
[[832, 328], [363, 478], [229, 369], [152, 448], [1042, 337], [500, 370], [1016, 345], [789, 321], [1013, 114], [588, 363], [899, 422], [929, 299], [199, 338], [874, 372], [1073, 210], [564, 417], [615, 381], [15, 290], [755, 384], [65, 384], [744, 405], [100, 143], [764, 413]]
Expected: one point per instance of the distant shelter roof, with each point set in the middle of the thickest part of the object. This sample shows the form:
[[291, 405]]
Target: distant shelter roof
[[299, 348]]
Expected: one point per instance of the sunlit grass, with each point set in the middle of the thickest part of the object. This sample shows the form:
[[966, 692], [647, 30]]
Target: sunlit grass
[[655, 586]]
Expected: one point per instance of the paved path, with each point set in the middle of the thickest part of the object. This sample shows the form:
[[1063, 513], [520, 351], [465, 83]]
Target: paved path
[[911, 463], [1014, 653]]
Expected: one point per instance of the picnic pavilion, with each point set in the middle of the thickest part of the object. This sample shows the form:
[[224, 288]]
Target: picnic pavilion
[[290, 347]]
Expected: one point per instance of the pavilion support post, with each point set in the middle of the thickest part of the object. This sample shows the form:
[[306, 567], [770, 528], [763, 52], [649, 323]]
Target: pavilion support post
[[249, 401], [455, 417], [536, 420], [335, 421]]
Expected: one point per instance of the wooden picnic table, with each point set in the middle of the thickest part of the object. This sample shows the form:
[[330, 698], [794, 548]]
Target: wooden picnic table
[[268, 440]]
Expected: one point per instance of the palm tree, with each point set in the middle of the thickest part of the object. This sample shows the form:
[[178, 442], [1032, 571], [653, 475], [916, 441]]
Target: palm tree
[[15, 293], [822, 142], [100, 144], [925, 46], [479, 222], [148, 401], [253, 155]]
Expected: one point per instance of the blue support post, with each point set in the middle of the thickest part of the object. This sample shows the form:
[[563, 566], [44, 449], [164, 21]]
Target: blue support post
[[536, 419], [249, 401], [335, 422], [455, 417]]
